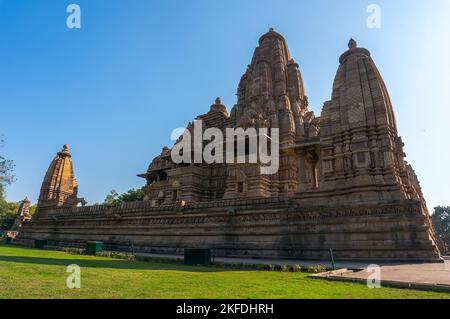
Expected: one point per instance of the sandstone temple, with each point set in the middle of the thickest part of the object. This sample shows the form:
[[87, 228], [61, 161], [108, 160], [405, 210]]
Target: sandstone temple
[[342, 184]]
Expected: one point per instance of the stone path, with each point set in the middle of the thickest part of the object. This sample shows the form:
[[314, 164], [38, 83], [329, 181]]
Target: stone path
[[429, 274], [415, 276]]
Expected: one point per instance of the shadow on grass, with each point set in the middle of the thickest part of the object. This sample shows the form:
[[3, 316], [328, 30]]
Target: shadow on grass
[[113, 264]]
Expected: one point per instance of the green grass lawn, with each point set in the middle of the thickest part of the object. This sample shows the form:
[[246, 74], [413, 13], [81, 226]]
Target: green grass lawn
[[30, 273]]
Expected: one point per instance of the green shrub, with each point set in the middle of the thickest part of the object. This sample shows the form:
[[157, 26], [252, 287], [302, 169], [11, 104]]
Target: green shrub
[[316, 269], [261, 267], [69, 250], [252, 266], [278, 268], [285, 268], [116, 255], [297, 268]]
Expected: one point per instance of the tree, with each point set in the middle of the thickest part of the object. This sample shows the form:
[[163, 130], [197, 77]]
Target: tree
[[111, 198], [133, 195], [8, 213], [33, 209], [441, 225], [6, 177], [7, 210]]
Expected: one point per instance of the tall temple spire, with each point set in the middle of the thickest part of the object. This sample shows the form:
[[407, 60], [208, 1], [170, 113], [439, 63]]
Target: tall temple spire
[[271, 92], [60, 187]]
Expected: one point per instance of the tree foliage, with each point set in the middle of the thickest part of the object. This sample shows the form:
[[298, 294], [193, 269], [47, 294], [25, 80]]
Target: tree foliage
[[133, 195], [33, 209], [441, 225], [6, 177], [111, 198], [7, 210]]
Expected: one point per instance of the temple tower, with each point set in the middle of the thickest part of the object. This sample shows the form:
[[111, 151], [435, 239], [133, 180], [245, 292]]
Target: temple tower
[[271, 92], [270, 95], [60, 187], [362, 153], [24, 208], [23, 214]]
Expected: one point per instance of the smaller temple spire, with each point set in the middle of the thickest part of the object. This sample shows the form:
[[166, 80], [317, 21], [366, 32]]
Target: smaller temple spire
[[24, 208], [60, 187], [22, 215]]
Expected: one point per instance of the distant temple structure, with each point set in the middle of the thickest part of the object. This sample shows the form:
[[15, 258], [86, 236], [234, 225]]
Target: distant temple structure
[[343, 182], [22, 216]]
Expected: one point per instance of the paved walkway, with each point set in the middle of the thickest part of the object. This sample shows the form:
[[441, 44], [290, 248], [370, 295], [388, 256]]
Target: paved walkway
[[428, 274], [415, 276]]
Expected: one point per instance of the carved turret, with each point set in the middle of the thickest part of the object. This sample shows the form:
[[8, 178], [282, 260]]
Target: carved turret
[[23, 214], [360, 143], [24, 208], [60, 187]]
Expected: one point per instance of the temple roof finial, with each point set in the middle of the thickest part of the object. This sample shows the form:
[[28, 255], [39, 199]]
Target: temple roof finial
[[353, 49], [272, 34], [218, 106], [65, 151]]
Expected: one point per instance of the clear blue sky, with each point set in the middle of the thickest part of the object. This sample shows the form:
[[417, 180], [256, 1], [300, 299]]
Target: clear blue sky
[[115, 89]]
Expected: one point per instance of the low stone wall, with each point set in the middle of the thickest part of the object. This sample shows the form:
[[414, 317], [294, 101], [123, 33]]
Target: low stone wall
[[262, 228]]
